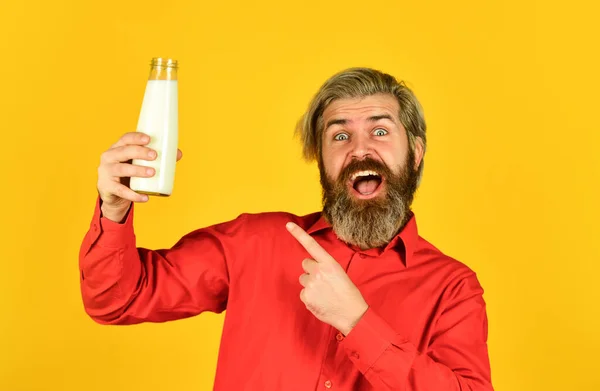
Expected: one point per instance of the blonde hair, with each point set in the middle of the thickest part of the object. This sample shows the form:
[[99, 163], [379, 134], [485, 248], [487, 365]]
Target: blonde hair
[[358, 83]]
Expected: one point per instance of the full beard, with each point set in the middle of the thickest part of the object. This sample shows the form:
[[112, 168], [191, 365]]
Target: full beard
[[374, 222]]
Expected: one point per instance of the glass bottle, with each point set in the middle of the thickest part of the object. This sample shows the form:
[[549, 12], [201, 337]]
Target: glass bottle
[[159, 119]]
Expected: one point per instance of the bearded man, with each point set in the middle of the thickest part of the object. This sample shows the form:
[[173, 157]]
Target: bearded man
[[350, 298]]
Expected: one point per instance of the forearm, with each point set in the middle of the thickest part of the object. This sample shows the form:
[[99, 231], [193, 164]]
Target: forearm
[[391, 362], [110, 267]]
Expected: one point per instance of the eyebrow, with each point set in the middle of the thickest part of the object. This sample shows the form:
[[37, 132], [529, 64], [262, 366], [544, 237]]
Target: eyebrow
[[376, 118], [373, 118]]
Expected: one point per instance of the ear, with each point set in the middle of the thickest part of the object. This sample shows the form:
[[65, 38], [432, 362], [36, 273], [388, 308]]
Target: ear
[[419, 152]]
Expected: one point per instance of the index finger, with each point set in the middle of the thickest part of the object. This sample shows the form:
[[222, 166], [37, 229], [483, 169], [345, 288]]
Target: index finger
[[135, 138], [314, 249]]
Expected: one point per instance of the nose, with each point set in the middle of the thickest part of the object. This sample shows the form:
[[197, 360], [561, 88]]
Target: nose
[[361, 148]]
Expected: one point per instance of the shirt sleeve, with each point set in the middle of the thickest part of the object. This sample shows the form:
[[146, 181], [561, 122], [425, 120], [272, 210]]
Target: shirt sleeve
[[456, 359], [123, 284]]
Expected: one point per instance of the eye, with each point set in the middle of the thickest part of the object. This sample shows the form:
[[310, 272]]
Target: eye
[[380, 132], [341, 137]]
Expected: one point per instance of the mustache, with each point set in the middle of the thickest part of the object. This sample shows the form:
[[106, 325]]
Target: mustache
[[367, 164]]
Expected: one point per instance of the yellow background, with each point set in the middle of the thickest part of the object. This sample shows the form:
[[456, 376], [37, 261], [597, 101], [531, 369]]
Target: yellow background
[[510, 91]]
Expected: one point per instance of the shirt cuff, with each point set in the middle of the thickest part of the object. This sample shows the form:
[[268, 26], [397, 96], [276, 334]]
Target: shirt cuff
[[106, 233], [113, 234], [369, 339]]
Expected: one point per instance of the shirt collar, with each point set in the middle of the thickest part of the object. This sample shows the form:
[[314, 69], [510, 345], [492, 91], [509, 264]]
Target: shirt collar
[[407, 237], [318, 225]]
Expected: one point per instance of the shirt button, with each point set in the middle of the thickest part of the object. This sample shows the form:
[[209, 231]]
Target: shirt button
[[328, 384], [339, 336]]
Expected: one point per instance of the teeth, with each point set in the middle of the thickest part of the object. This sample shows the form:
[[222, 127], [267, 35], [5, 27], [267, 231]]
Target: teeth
[[362, 173]]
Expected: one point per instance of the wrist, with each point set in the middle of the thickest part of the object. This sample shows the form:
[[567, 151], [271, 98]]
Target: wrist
[[354, 318], [115, 214]]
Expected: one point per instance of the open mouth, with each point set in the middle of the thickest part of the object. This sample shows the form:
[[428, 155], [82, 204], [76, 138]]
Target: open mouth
[[366, 184]]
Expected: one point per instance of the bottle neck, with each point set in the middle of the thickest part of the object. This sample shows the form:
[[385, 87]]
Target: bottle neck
[[161, 73]]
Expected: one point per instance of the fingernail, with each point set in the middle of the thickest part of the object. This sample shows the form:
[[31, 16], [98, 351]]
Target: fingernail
[[152, 154], [289, 225], [145, 139], [144, 198], [149, 171]]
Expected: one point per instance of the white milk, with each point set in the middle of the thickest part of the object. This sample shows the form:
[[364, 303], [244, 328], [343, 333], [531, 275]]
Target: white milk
[[159, 119]]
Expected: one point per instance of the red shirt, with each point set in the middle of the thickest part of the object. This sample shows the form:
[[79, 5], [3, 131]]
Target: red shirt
[[425, 329]]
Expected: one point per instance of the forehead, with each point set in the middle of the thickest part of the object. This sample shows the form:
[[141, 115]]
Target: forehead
[[357, 108]]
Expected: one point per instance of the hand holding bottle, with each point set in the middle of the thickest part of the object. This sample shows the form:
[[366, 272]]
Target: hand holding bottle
[[115, 170]]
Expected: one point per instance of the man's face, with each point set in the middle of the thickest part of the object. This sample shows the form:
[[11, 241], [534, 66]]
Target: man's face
[[369, 173]]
